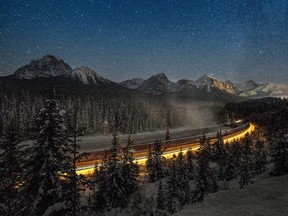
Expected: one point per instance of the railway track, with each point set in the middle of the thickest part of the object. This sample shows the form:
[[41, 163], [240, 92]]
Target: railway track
[[172, 146]]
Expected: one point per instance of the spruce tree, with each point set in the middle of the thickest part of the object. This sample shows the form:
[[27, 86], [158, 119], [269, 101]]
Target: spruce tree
[[111, 192], [247, 163], [74, 183], [130, 168], [172, 189], [205, 178], [183, 180], [189, 164], [11, 158], [160, 199], [154, 163], [221, 157], [150, 164], [47, 164], [261, 157], [279, 154], [158, 161]]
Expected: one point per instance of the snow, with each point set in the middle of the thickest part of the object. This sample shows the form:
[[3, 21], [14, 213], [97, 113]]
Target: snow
[[267, 196]]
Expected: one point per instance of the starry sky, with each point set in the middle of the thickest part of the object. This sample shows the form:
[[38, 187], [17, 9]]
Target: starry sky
[[120, 39]]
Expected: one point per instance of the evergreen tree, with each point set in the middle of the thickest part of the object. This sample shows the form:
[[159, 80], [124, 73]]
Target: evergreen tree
[[221, 157], [279, 154], [183, 180], [158, 161], [189, 164], [11, 157], [172, 188], [167, 137], [160, 199], [74, 183], [261, 157], [130, 168], [205, 178], [236, 154], [111, 191], [48, 162], [150, 165], [154, 163], [247, 163]]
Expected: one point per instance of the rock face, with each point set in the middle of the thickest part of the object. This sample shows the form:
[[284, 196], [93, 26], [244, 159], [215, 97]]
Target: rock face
[[132, 83], [87, 76], [247, 86], [207, 81], [47, 66], [157, 84]]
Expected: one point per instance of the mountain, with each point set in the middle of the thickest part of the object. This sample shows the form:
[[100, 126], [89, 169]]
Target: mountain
[[132, 83], [246, 86], [47, 66], [157, 84], [88, 76], [207, 81], [265, 90]]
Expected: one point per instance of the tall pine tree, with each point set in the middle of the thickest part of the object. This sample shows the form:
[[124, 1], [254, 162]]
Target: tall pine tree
[[130, 168], [205, 178], [247, 163], [48, 162], [279, 153]]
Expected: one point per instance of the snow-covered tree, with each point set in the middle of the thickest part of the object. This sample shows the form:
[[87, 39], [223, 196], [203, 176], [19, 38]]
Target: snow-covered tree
[[279, 154], [221, 157], [190, 169], [205, 178], [11, 158], [111, 191], [130, 168], [247, 163], [47, 164], [74, 183], [172, 189], [261, 157], [160, 199], [154, 163]]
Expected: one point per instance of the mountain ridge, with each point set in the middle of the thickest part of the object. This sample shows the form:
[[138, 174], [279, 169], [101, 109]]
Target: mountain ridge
[[158, 84]]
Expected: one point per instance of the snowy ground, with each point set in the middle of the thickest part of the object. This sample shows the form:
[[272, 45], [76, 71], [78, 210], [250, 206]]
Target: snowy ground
[[266, 197], [102, 142]]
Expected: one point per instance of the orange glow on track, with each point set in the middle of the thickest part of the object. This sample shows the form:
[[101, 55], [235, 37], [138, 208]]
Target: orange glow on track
[[87, 168]]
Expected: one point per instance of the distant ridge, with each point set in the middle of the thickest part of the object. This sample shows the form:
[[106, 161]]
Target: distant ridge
[[53, 66]]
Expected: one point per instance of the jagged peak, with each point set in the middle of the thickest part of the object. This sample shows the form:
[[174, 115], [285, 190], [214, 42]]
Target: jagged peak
[[207, 77], [47, 66], [87, 75]]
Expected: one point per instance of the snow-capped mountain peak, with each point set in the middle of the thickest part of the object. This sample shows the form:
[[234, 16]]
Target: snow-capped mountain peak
[[87, 75], [132, 83], [47, 66], [207, 81]]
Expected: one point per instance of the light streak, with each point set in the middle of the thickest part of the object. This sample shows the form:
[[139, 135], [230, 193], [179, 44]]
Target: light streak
[[141, 160]]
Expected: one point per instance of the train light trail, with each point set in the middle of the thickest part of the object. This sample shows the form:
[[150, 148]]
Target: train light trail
[[87, 168]]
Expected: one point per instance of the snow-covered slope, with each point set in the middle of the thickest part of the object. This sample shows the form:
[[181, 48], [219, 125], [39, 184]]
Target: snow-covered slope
[[207, 81], [157, 84], [269, 89], [87, 75], [246, 86], [266, 197], [132, 83], [47, 66]]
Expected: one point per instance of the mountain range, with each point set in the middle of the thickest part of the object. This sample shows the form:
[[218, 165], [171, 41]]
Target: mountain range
[[207, 86]]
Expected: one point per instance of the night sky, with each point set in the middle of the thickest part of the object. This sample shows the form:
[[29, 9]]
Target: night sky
[[231, 39]]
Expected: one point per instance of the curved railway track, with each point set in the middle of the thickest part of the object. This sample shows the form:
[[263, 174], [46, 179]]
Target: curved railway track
[[172, 146]]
